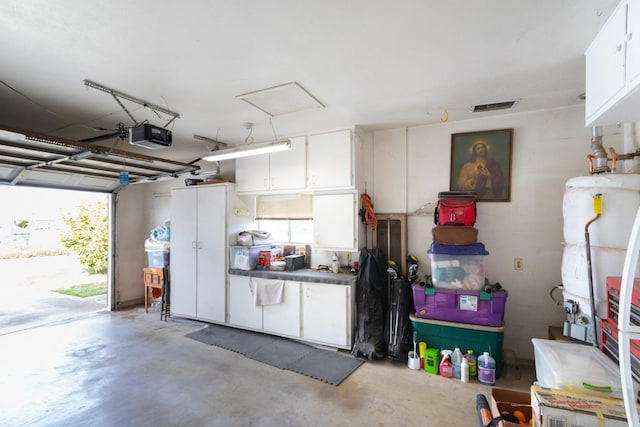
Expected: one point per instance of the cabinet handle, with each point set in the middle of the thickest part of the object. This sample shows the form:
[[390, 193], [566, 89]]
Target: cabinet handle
[[619, 48], [265, 182], [199, 244], [193, 245], [629, 36]]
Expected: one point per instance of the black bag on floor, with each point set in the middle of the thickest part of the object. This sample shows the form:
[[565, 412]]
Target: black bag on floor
[[399, 332], [371, 305]]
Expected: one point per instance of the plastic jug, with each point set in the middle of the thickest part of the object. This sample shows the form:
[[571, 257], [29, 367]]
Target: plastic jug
[[486, 369], [464, 369], [471, 358], [446, 367], [456, 360], [335, 266]]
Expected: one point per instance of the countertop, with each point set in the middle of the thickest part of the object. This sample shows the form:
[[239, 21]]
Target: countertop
[[303, 275]]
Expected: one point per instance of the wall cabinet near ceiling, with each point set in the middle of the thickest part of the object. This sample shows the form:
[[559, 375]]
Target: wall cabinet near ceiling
[[613, 69], [275, 172], [199, 251], [330, 160]]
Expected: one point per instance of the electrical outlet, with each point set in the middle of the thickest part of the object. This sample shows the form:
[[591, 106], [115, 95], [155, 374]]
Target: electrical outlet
[[242, 212], [518, 264]]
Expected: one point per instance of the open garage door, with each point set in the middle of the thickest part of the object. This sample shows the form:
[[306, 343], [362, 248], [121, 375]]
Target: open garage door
[[33, 159]]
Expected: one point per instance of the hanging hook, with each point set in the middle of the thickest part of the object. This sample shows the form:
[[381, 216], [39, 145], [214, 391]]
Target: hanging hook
[[249, 138], [446, 116]]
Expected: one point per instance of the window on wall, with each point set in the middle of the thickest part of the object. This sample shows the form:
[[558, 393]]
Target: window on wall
[[289, 218]]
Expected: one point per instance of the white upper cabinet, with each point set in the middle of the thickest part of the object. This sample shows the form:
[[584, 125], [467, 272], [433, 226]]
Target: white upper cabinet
[[613, 69], [334, 219], [284, 170], [288, 169], [252, 173], [330, 160]]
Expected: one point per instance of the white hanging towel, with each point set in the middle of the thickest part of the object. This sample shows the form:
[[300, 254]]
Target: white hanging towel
[[266, 291]]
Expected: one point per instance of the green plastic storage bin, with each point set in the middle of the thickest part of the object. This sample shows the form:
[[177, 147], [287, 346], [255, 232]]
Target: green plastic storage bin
[[449, 335]]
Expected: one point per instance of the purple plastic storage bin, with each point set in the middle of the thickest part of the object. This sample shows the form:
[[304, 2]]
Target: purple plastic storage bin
[[462, 306]]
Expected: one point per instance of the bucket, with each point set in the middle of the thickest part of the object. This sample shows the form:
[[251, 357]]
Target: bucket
[[414, 360]]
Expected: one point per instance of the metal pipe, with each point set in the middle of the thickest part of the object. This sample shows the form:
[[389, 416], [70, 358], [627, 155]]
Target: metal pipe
[[591, 292]]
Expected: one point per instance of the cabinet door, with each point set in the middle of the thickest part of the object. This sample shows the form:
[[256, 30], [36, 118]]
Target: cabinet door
[[284, 318], [390, 164], [252, 173], [288, 169], [211, 253], [183, 252], [242, 309], [329, 159], [325, 313], [334, 221], [633, 41], [605, 62]]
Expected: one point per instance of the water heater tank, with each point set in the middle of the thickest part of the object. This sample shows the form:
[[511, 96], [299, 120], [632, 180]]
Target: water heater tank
[[608, 236]]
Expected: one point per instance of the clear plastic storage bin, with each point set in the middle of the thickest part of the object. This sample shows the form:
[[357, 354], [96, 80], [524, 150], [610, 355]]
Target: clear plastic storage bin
[[576, 367]]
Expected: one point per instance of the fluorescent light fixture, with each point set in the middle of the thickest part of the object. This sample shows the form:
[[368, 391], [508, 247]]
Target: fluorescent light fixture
[[249, 150]]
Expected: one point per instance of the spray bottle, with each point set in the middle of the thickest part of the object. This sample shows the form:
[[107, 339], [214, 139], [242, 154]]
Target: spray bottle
[[446, 367]]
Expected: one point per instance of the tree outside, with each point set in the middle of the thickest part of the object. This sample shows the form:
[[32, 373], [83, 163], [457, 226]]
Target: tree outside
[[86, 235]]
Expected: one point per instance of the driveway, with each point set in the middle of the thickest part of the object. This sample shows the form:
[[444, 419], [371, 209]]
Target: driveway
[[26, 296]]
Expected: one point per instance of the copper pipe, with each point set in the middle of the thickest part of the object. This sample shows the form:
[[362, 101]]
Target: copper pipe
[[614, 158]]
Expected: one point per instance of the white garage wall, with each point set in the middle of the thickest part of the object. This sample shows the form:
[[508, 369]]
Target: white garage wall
[[548, 148]]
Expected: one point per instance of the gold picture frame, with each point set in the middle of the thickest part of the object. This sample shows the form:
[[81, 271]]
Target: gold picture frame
[[481, 162]]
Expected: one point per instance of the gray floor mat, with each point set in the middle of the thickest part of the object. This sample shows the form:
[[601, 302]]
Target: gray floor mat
[[280, 352], [328, 366]]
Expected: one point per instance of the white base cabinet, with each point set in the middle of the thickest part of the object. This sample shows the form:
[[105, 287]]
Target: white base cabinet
[[284, 319], [319, 313], [326, 312], [242, 310]]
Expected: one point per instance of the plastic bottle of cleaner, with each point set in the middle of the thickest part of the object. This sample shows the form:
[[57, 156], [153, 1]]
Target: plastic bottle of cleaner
[[446, 368], [456, 360], [464, 369], [471, 358], [335, 267], [487, 369]]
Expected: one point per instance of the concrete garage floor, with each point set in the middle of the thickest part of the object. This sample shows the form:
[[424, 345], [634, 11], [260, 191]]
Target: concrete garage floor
[[128, 368]]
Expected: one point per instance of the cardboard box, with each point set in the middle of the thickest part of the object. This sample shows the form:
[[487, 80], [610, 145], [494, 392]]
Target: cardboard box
[[504, 400], [558, 408]]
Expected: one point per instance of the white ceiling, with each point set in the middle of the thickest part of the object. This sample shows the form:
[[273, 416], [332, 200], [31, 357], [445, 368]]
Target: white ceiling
[[372, 63]]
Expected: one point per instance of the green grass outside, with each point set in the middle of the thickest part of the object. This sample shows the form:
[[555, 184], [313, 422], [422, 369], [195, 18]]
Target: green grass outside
[[84, 290], [33, 253]]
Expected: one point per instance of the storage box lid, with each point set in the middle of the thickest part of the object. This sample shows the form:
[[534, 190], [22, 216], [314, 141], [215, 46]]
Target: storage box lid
[[576, 367], [151, 245], [473, 249]]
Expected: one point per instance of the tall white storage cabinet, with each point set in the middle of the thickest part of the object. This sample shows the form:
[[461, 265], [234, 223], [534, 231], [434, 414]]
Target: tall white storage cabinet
[[202, 220]]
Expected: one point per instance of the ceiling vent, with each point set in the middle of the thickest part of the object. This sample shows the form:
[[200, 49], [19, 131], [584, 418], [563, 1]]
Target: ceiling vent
[[481, 108]]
